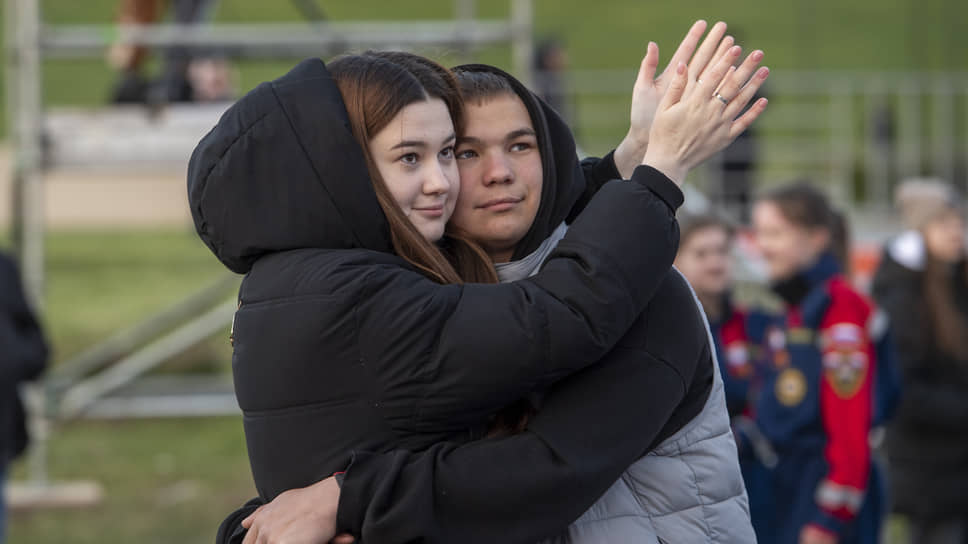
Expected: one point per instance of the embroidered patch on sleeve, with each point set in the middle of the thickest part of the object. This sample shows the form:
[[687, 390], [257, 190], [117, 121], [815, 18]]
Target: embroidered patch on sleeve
[[845, 359], [738, 360]]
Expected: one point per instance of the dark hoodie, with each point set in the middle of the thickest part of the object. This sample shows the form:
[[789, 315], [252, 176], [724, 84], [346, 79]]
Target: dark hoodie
[[590, 428], [342, 346]]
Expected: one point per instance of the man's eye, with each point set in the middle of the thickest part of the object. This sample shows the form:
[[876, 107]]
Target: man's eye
[[521, 146], [466, 154]]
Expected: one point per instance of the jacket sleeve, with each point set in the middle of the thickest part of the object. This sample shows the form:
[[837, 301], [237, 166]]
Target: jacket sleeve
[[25, 350], [846, 404], [597, 172], [497, 343], [522, 488]]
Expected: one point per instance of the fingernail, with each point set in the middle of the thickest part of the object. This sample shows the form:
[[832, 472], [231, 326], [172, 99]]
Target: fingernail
[[735, 50], [757, 55], [764, 71]]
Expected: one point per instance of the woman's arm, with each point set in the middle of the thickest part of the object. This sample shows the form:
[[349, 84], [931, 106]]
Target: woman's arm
[[591, 427], [493, 344], [517, 489]]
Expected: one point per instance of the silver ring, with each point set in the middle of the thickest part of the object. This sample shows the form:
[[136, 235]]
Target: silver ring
[[721, 98], [699, 81]]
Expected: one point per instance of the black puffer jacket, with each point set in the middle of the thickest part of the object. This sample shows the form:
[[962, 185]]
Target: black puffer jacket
[[340, 345], [590, 428], [927, 443], [23, 355]]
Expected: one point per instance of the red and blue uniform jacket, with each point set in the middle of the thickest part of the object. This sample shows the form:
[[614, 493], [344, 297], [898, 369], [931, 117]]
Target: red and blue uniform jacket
[[816, 403]]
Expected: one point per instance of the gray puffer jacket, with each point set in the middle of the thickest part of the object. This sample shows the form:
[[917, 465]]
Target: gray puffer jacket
[[688, 489]]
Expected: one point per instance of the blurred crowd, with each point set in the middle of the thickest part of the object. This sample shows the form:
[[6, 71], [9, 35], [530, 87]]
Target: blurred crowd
[[846, 406], [186, 74]]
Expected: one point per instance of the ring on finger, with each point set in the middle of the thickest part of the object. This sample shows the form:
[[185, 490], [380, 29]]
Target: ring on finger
[[699, 81], [721, 98]]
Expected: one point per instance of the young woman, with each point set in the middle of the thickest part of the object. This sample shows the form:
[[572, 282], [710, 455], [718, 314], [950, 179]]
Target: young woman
[[816, 402], [922, 283], [400, 351]]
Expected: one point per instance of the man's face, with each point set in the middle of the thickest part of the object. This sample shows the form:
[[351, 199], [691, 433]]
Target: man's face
[[500, 174]]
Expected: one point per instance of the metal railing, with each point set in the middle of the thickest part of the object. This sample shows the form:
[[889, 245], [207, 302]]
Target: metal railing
[[857, 133]]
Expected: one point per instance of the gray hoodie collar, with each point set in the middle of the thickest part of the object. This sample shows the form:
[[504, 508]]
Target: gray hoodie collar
[[529, 265]]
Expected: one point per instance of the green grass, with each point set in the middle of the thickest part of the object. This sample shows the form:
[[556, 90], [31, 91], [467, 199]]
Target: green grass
[[164, 481], [99, 281]]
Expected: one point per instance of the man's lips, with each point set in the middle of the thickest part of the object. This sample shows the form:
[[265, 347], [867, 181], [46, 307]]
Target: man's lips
[[500, 203]]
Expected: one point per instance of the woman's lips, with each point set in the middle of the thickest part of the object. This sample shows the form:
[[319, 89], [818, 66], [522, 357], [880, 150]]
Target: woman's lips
[[500, 204], [431, 211]]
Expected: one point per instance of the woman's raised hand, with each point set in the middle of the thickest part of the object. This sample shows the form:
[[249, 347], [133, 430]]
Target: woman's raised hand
[[700, 113]]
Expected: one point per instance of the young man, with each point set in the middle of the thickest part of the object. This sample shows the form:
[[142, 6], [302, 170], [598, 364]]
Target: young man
[[520, 188]]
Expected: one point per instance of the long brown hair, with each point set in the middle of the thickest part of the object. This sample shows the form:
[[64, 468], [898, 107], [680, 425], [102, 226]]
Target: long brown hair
[[376, 86]]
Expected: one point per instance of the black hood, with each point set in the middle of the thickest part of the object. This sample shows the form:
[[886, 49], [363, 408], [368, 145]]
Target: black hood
[[280, 171], [563, 183]]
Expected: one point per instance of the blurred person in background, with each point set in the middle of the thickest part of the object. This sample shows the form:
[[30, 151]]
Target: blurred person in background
[[705, 259], [179, 75], [550, 69], [23, 355], [922, 282], [817, 400]]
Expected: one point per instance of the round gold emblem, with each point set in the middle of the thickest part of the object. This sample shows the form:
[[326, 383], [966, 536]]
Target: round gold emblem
[[791, 387]]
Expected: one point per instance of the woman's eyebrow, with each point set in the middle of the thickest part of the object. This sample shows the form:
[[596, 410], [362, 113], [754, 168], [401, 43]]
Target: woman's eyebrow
[[410, 143], [420, 144]]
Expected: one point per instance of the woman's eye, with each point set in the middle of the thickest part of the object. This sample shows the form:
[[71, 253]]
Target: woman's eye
[[409, 158], [447, 152], [466, 154]]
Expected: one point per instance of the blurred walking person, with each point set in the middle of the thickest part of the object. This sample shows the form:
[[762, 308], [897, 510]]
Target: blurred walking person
[[922, 283], [817, 401], [23, 354]]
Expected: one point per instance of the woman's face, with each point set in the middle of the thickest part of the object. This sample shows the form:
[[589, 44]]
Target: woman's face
[[704, 260], [787, 248], [945, 237], [414, 154]]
